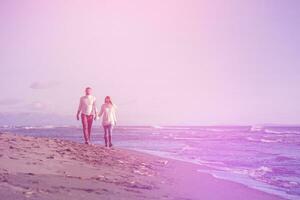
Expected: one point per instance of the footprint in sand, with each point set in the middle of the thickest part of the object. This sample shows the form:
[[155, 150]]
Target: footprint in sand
[[88, 190], [60, 152], [68, 150], [141, 186], [35, 182], [132, 190], [32, 163], [13, 158], [50, 157]]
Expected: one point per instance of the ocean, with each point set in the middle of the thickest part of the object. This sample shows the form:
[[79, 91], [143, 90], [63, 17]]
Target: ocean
[[264, 158]]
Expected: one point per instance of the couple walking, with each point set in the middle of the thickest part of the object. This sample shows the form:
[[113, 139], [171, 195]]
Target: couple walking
[[87, 110]]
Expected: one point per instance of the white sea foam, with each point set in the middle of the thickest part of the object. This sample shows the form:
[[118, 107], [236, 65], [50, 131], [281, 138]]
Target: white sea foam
[[222, 129], [39, 127], [215, 130], [252, 139], [157, 127], [28, 127], [281, 131], [270, 141], [187, 138], [185, 148], [155, 133], [47, 127], [255, 128], [258, 172], [262, 140], [242, 178]]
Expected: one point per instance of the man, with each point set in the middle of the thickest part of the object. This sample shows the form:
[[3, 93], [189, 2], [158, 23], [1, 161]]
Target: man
[[87, 109]]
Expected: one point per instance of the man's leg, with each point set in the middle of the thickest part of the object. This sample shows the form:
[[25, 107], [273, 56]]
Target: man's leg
[[84, 127], [90, 123]]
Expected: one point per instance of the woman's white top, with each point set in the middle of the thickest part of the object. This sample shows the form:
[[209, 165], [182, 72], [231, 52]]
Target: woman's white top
[[109, 114]]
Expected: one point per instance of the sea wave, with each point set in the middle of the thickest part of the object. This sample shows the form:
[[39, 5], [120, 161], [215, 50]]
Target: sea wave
[[157, 127], [257, 128], [262, 140], [282, 131], [187, 138], [155, 133], [252, 139], [220, 129], [270, 141], [261, 171], [186, 148], [28, 127], [48, 127], [39, 127]]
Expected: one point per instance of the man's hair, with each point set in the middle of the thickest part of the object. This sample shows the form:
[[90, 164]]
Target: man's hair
[[87, 88]]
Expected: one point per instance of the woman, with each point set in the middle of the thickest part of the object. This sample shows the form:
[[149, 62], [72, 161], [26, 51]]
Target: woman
[[108, 110]]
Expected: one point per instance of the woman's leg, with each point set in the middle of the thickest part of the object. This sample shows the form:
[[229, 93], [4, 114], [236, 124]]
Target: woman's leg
[[109, 134], [105, 135]]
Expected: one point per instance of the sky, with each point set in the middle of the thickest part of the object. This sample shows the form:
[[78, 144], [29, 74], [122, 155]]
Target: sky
[[170, 62]]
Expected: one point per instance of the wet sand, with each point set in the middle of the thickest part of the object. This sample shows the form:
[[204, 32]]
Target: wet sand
[[43, 168]]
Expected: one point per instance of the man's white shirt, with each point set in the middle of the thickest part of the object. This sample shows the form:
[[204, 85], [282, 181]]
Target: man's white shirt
[[87, 105]]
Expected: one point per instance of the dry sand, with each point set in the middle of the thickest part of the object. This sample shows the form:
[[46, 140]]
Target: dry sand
[[43, 168]]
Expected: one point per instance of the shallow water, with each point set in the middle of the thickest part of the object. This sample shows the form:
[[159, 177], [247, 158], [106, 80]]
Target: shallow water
[[266, 158]]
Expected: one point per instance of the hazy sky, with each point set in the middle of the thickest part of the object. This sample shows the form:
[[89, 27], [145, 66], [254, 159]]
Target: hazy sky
[[161, 61]]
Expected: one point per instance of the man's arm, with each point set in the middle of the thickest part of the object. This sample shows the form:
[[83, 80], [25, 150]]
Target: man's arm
[[95, 109], [101, 112]]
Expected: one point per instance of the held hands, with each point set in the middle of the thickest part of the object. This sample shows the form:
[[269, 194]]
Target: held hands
[[96, 117]]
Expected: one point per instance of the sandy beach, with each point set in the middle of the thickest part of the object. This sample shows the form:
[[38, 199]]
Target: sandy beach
[[43, 168]]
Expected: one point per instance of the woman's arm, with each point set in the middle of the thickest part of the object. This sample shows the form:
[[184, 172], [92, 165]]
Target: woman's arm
[[114, 115], [101, 111]]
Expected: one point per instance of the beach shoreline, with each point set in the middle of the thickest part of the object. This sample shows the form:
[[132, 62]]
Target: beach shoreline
[[44, 168]]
